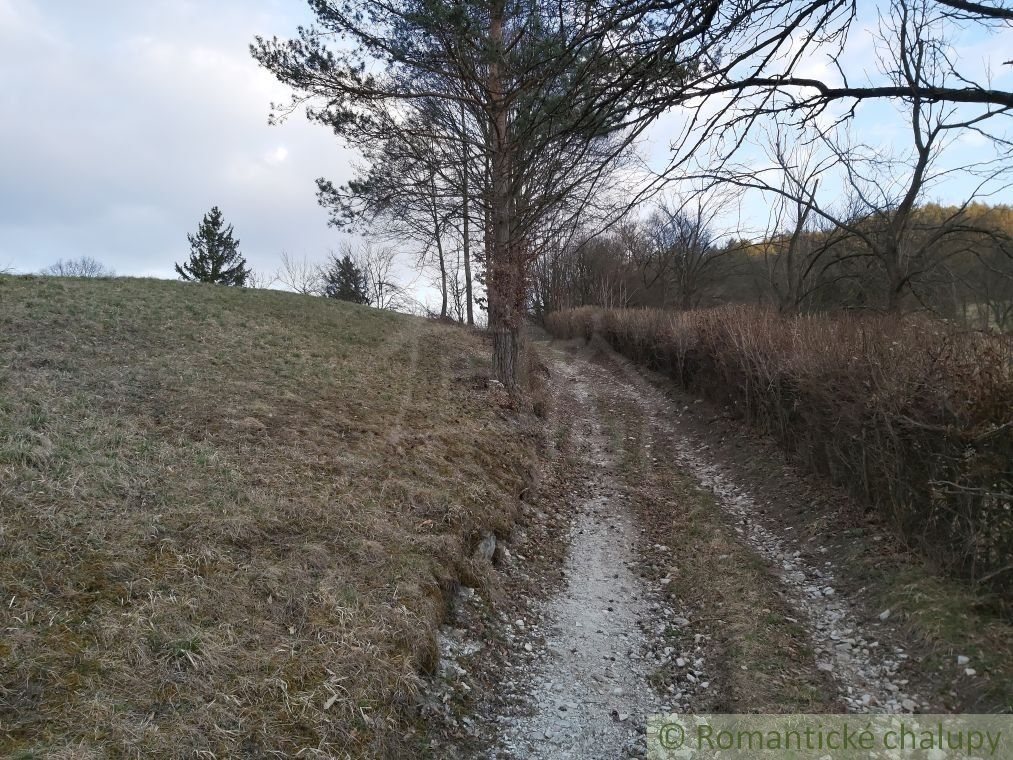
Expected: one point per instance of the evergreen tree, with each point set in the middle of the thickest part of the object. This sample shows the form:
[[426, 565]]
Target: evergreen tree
[[214, 254], [345, 281]]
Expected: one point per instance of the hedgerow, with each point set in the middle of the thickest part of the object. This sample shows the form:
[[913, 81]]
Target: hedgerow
[[912, 416]]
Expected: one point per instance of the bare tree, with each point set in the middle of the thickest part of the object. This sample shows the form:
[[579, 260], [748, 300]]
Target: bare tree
[[800, 246], [85, 266], [458, 286], [879, 217], [683, 255], [760, 81], [407, 191], [378, 264], [299, 274], [261, 280]]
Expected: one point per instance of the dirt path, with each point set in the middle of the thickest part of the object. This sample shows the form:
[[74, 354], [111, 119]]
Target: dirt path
[[591, 691], [675, 593]]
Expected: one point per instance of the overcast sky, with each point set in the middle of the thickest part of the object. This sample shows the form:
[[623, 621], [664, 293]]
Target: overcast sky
[[123, 121]]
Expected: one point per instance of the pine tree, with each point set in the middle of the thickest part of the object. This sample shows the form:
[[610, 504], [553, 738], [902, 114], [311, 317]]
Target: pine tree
[[214, 254], [345, 281]]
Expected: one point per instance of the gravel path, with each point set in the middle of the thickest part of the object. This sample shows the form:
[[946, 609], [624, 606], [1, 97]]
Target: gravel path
[[590, 694]]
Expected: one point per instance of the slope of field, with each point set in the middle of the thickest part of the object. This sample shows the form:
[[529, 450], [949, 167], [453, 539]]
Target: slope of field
[[229, 518]]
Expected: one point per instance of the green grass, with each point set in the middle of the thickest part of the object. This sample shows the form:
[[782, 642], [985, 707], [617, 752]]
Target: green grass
[[229, 518], [950, 619], [763, 659]]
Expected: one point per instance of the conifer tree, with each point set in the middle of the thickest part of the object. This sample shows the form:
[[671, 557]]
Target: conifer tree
[[214, 254], [345, 281]]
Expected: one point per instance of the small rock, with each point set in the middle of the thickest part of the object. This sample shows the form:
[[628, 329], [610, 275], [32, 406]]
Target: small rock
[[884, 615], [502, 555], [970, 672], [486, 548], [963, 659]]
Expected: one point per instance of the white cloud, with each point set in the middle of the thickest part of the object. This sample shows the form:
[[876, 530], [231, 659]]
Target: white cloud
[[276, 156]]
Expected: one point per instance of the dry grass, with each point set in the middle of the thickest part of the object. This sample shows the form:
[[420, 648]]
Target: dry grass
[[913, 418], [229, 518]]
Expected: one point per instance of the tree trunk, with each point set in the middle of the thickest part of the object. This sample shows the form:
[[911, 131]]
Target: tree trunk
[[895, 282], [505, 350], [894, 298], [437, 234], [443, 277], [505, 261], [506, 315], [687, 298], [465, 239]]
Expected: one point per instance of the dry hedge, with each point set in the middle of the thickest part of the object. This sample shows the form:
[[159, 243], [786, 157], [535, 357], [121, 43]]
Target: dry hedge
[[910, 415]]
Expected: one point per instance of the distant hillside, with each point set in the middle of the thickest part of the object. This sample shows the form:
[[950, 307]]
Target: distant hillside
[[228, 517]]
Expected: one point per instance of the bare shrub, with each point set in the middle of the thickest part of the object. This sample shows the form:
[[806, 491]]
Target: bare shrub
[[911, 415], [261, 280], [299, 274], [85, 266]]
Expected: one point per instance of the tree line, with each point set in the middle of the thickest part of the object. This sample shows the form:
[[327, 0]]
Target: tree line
[[358, 277], [363, 276], [681, 257]]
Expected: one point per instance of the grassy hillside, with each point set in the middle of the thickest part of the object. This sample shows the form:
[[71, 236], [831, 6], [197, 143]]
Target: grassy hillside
[[228, 518]]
